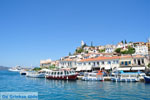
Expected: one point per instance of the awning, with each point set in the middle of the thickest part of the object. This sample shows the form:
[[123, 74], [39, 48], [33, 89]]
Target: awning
[[83, 67], [124, 69], [138, 68], [107, 67], [88, 67], [79, 68]]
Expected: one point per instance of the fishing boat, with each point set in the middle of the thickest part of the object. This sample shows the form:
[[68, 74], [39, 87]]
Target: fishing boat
[[93, 76], [61, 74], [34, 74], [147, 79]]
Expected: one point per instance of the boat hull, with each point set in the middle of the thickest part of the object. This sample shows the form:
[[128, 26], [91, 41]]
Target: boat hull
[[36, 75], [70, 77], [147, 79], [91, 79], [124, 80]]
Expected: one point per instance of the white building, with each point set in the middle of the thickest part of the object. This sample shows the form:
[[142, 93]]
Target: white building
[[98, 63], [110, 48], [141, 50]]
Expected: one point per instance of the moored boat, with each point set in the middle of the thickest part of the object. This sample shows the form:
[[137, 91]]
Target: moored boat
[[147, 79], [15, 69], [23, 72], [93, 76], [126, 77], [61, 74], [34, 74]]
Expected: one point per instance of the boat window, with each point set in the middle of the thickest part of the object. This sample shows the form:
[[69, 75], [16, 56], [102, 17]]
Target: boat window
[[52, 73], [58, 73], [67, 72], [61, 73]]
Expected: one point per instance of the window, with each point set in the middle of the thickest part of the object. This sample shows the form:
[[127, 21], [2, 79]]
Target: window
[[97, 63], [126, 63], [142, 61], [94, 63], [122, 63], [109, 62], [84, 63], [117, 61], [89, 63], [103, 62], [129, 62], [135, 61]]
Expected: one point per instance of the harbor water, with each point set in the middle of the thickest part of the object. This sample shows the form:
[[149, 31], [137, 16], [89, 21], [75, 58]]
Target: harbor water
[[73, 90]]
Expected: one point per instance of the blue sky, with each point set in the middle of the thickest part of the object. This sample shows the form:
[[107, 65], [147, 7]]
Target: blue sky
[[31, 30]]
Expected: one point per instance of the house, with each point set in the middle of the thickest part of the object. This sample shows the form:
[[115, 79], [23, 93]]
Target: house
[[141, 50], [110, 48], [45, 63]]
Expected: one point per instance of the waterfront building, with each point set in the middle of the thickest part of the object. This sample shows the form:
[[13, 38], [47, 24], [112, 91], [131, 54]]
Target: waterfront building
[[68, 63], [133, 63], [98, 63]]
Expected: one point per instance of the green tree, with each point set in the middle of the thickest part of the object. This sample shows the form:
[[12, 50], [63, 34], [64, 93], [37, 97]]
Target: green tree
[[37, 69], [118, 50], [122, 41], [131, 50], [70, 54], [148, 65], [103, 50], [91, 43], [125, 42]]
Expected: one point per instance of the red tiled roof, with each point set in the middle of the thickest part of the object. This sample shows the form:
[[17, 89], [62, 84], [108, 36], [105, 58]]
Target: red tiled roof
[[109, 58]]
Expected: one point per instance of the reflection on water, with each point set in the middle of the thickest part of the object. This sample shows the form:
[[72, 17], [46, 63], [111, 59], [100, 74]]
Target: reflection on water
[[76, 90]]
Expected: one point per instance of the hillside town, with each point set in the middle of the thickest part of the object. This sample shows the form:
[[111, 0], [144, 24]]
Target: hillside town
[[132, 56]]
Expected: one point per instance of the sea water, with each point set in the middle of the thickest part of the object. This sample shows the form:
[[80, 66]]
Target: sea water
[[73, 90]]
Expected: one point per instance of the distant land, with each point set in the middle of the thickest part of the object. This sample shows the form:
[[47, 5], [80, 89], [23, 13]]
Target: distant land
[[4, 68]]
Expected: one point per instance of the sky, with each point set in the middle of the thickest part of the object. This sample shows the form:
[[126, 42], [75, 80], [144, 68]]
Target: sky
[[32, 30]]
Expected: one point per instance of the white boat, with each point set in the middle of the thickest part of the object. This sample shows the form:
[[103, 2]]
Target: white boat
[[126, 77], [35, 74], [93, 76], [23, 72], [15, 69]]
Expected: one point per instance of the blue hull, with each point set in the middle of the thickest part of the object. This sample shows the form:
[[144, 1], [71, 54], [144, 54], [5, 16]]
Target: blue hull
[[147, 79]]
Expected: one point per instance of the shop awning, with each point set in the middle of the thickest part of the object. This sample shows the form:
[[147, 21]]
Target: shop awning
[[83, 67], [79, 68], [89, 68], [124, 69], [138, 68], [107, 67]]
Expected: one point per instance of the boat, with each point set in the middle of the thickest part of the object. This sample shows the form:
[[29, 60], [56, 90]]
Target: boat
[[126, 77], [23, 72], [34, 74], [61, 74], [15, 69], [147, 79], [93, 76]]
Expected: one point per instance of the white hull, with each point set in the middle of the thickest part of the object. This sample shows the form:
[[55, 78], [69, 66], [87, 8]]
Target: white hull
[[36, 75], [14, 70]]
